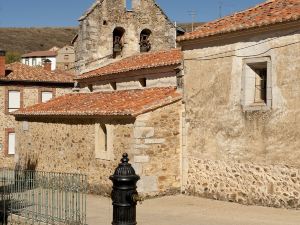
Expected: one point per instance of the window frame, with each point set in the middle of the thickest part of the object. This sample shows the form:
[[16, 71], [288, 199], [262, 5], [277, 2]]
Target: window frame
[[7, 90], [41, 90], [104, 141], [254, 106], [6, 143]]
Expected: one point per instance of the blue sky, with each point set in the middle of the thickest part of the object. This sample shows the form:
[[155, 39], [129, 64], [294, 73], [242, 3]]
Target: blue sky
[[42, 13]]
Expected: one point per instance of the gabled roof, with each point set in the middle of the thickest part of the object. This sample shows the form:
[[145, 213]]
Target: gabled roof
[[40, 54], [115, 103], [136, 62], [267, 13], [24, 73]]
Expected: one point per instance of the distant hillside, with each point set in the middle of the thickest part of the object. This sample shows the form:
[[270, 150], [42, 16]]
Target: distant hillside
[[23, 40]]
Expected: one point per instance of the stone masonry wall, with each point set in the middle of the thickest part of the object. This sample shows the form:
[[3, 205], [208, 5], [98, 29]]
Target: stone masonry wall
[[157, 150], [245, 183], [30, 97], [250, 157], [94, 45], [68, 145]]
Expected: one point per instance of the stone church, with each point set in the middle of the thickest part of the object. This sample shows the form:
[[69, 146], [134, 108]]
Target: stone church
[[217, 117]]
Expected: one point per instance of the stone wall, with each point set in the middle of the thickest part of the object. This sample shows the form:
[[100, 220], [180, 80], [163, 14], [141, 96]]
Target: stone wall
[[94, 45], [30, 97], [245, 183], [157, 150], [225, 138], [68, 145]]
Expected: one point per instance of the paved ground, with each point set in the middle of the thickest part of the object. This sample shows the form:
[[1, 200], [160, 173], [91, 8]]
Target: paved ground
[[184, 210]]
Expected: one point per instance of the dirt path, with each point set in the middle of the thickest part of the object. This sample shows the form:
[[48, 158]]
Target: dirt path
[[184, 210]]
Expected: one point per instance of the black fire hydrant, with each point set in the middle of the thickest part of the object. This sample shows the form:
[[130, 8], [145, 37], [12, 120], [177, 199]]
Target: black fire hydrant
[[124, 194]]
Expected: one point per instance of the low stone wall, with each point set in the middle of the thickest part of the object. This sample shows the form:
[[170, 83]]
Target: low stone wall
[[245, 183]]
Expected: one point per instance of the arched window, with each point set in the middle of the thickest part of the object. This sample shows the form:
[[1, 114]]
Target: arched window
[[118, 41], [145, 44]]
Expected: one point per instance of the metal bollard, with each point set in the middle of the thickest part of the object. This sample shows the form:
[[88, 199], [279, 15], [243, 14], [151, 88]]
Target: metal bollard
[[124, 194]]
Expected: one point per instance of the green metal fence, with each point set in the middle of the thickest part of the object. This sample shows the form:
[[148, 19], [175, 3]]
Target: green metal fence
[[31, 197]]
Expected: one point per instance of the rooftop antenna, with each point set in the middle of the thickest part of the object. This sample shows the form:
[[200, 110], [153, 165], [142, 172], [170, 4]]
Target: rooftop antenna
[[193, 14], [220, 9]]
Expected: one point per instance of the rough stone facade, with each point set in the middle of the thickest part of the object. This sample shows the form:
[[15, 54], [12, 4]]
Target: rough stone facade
[[65, 58], [94, 43], [30, 96], [234, 154], [152, 141]]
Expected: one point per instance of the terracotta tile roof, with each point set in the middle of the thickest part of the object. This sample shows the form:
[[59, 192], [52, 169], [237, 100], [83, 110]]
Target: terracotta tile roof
[[267, 13], [21, 72], [40, 54], [136, 62], [115, 103]]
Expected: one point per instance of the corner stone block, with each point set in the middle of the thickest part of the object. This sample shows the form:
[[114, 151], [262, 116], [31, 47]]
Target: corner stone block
[[143, 132], [147, 184], [141, 159], [138, 168], [155, 141]]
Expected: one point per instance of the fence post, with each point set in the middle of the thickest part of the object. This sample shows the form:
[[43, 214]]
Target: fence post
[[124, 194]]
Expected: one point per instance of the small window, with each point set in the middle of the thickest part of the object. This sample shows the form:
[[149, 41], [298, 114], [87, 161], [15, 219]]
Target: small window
[[104, 22], [66, 66], [103, 147], [34, 62], [11, 143], [46, 96], [27, 62], [257, 84], [14, 100], [113, 85], [143, 82], [128, 5], [66, 57]]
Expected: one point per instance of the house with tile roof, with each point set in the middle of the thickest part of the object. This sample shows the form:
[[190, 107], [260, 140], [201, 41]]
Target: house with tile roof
[[37, 58], [241, 94], [22, 86], [132, 105], [61, 58]]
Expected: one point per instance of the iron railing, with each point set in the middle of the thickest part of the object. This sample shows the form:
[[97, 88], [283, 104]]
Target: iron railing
[[42, 197]]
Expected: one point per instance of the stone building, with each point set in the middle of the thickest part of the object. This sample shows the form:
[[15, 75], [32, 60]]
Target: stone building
[[242, 101], [22, 86], [132, 106], [65, 59], [110, 30]]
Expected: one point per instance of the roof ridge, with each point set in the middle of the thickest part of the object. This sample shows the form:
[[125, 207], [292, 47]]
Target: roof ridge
[[238, 12], [266, 13]]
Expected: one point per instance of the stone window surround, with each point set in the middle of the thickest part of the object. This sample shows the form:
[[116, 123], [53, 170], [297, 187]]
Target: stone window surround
[[41, 90], [257, 107], [5, 149], [104, 152], [6, 96]]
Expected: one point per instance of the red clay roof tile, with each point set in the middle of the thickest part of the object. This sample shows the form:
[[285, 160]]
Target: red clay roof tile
[[136, 62], [116, 103], [21, 72], [267, 13]]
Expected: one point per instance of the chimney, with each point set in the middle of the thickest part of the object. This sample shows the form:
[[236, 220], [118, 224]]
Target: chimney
[[2, 63], [47, 64]]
